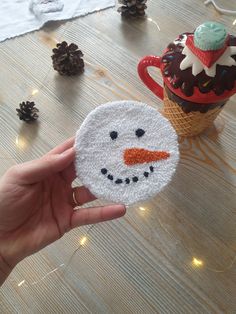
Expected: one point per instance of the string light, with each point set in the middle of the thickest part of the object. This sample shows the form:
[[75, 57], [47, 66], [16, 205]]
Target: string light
[[197, 262], [34, 92], [83, 240], [82, 243], [21, 143], [219, 9], [21, 283], [234, 22], [155, 23], [142, 209]]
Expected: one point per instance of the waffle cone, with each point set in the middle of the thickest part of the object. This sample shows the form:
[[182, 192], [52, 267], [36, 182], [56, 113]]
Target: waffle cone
[[188, 124]]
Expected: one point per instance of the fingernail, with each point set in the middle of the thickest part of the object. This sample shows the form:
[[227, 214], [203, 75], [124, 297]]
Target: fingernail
[[120, 210], [68, 152]]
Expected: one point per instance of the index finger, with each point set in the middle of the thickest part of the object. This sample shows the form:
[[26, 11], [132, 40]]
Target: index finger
[[62, 147]]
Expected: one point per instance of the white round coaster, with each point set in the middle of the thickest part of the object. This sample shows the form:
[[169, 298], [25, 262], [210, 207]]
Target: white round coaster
[[126, 152]]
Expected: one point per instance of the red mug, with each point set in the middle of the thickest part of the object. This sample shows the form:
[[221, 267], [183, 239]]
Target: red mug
[[188, 115], [150, 61]]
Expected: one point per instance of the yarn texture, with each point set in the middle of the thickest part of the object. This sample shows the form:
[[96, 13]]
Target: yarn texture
[[126, 152]]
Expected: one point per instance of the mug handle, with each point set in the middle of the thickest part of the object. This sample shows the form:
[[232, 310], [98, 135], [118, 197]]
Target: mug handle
[[150, 61]]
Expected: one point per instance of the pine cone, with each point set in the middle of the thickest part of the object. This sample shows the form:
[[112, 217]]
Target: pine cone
[[27, 111], [67, 60], [132, 8]]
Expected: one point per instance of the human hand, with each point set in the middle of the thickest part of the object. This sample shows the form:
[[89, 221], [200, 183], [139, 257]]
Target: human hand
[[37, 205]]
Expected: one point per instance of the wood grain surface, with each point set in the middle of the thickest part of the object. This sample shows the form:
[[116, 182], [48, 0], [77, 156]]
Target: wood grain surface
[[173, 254]]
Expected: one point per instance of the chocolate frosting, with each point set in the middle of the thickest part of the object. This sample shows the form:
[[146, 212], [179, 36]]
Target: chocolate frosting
[[224, 79], [188, 106]]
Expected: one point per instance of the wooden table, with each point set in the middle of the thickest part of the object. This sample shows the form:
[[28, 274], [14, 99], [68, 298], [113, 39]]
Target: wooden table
[[175, 253]]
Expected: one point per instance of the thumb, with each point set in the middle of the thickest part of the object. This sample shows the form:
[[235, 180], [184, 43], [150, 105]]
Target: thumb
[[37, 170]]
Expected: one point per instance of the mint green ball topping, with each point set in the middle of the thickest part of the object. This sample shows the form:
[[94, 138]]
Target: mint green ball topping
[[210, 36]]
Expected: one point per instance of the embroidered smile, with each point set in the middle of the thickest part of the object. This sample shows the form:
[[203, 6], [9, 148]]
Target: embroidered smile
[[134, 156], [134, 179]]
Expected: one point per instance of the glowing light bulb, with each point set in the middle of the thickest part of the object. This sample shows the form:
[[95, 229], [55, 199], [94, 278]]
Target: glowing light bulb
[[21, 142], [197, 262], [83, 240], [34, 92], [142, 209], [21, 283]]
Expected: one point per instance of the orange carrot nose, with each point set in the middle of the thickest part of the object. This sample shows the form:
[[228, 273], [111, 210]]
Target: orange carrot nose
[[133, 156]]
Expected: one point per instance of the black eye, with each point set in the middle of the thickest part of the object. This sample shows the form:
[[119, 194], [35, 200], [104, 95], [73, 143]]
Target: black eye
[[113, 135], [139, 132]]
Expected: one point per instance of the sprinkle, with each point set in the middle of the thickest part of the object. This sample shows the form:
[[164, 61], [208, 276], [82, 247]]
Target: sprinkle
[[205, 84]]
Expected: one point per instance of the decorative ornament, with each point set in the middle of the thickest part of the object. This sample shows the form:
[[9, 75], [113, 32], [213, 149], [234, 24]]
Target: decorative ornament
[[27, 112], [210, 36], [199, 77], [126, 152], [191, 60], [207, 48], [132, 8], [67, 59]]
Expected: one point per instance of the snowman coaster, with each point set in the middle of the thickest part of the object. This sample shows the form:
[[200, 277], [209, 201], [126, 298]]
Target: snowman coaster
[[126, 152]]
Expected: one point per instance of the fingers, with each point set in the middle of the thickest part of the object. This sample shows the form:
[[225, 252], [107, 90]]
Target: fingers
[[69, 173], [81, 196], [37, 170], [87, 216], [62, 147]]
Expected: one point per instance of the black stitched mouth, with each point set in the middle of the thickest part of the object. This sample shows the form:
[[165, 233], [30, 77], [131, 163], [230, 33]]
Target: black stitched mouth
[[133, 179]]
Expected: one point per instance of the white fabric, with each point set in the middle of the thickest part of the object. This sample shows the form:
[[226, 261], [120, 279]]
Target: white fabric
[[96, 150], [39, 7], [18, 17]]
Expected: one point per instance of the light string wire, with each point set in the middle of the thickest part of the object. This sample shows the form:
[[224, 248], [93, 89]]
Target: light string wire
[[83, 240], [219, 9], [42, 85], [195, 262], [24, 282]]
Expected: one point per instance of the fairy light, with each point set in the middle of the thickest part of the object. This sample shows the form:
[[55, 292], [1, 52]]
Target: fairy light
[[21, 143], [197, 262], [34, 92], [142, 209], [82, 243], [234, 22], [21, 283], [83, 240]]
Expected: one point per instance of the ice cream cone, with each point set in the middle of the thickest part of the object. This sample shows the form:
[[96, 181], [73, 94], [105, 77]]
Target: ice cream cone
[[191, 123], [199, 76]]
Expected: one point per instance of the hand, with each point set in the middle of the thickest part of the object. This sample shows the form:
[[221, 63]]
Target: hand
[[37, 206]]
